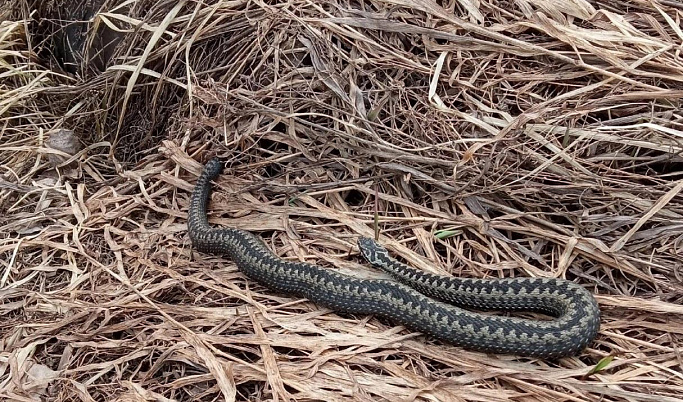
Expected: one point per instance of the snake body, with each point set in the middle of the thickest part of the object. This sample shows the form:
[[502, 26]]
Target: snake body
[[424, 302]]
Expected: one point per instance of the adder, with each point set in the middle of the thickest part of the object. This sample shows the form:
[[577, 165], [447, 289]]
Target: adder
[[432, 304]]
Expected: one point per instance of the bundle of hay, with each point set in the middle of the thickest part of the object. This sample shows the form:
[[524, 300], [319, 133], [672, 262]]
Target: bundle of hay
[[478, 138]]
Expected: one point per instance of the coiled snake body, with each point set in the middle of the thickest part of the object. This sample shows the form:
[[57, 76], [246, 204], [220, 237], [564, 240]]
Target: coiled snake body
[[420, 301]]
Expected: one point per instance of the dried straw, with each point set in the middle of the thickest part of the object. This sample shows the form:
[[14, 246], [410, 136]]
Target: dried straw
[[479, 138]]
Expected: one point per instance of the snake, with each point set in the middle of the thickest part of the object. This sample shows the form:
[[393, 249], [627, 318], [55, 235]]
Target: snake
[[454, 310]]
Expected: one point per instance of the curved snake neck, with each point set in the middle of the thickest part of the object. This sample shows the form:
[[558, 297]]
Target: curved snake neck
[[420, 301]]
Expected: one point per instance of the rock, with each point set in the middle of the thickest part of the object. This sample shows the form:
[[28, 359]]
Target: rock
[[62, 140]]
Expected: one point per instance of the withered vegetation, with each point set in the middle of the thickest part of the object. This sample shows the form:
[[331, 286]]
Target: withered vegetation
[[479, 138]]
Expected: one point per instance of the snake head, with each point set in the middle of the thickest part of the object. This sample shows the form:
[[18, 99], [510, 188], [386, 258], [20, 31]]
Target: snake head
[[371, 250]]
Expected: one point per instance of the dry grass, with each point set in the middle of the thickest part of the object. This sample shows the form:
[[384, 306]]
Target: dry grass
[[493, 138]]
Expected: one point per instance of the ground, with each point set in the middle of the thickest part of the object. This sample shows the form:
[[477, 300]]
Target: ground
[[476, 138]]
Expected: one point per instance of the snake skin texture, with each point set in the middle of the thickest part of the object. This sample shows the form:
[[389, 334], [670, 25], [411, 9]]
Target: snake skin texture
[[431, 304]]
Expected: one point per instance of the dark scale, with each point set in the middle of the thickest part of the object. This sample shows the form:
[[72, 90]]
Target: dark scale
[[424, 302]]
